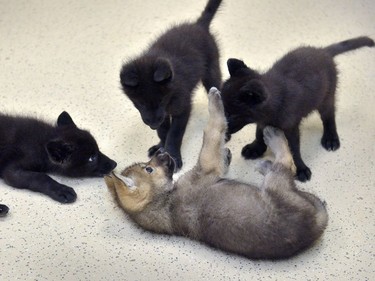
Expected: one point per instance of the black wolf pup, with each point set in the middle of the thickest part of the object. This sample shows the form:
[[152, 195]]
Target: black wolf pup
[[161, 80], [302, 81], [30, 148]]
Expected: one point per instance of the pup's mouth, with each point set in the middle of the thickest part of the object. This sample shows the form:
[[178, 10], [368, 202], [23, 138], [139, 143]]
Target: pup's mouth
[[154, 127]]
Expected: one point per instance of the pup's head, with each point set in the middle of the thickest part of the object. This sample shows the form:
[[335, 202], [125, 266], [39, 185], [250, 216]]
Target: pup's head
[[243, 96], [146, 82], [75, 153], [141, 183]]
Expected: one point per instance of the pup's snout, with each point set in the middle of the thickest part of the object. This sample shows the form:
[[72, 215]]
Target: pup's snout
[[153, 118], [110, 165], [107, 165]]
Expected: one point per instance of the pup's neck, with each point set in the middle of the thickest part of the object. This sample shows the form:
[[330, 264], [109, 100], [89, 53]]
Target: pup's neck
[[156, 216]]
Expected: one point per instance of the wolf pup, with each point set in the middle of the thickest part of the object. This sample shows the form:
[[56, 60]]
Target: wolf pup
[[161, 80], [272, 221], [303, 80], [30, 148]]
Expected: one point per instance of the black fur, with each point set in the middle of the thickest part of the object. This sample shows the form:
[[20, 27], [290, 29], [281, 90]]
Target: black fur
[[161, 80], [3, 210], [30, 148], [302, 81]]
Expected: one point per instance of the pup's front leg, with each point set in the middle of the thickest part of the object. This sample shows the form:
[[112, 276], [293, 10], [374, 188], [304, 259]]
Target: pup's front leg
[[39, 182], [214, 158], [175, 135], [162, 134]]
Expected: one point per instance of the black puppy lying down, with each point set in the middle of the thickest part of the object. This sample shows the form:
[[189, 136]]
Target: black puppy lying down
[[30, 148]]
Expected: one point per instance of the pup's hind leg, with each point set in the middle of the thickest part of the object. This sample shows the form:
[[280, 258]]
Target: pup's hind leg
[[276, 141], [293, 137], [214, 158], [279, 175]]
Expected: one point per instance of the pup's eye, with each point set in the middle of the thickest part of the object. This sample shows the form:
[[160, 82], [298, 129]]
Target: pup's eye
[[149, 170], [92, 158]]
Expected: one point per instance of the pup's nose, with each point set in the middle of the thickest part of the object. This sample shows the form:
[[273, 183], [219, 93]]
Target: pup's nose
[[107, 165], [111, 164]]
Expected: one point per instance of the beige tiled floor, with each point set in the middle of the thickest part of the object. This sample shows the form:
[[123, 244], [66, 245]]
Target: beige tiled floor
[[65, 55]]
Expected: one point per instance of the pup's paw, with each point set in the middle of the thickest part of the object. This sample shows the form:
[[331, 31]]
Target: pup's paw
[[214, 92], [63, 194], [178, 163], [3, 210], [253, 150], [303, 174], [263, 166], [330, 141], [215, 104]]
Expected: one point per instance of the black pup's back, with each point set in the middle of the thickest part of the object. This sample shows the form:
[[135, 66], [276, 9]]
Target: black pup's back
[[303, 80], [29, 148], [161, 80]]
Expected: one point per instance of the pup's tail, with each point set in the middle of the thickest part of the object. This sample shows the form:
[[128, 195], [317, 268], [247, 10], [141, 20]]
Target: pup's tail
[[208, 13], [349, 45]]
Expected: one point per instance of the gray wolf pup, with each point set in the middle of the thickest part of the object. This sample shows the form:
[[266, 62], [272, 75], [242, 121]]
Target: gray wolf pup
[[161, 80], [302, 81], [272, 221], [30, 148]]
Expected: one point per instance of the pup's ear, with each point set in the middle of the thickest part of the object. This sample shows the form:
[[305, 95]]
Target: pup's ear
[[129, 76], [234, 65], [163, 72], [59, 151], [253, 92], [64, 119]]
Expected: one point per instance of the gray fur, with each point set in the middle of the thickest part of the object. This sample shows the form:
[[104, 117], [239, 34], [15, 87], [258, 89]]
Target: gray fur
[[272, 221]]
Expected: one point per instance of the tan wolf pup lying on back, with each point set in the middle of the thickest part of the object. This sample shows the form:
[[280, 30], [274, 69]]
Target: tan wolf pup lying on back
[[272, 221]]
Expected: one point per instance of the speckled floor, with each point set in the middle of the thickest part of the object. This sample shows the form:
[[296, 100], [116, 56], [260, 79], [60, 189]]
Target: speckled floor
[[65, 55]]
